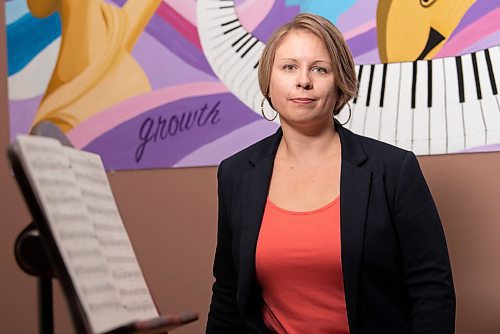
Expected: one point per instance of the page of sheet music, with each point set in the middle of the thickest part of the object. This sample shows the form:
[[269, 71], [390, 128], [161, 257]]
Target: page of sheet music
[[111, 234], [71, 225]]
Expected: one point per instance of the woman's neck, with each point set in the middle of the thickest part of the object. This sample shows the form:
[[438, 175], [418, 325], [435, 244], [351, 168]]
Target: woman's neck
[[309, 147]]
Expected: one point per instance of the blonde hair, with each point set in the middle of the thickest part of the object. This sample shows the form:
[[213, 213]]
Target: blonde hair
[[340, 55]]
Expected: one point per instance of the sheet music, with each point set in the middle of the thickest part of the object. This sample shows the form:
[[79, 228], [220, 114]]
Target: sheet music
[[111, 234], [79, 206]]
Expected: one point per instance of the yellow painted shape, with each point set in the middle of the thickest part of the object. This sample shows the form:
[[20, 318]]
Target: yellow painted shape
[[95, 69], [403, 26]]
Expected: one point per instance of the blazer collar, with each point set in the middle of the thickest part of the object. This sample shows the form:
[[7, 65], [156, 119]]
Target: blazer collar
[[354, 189]]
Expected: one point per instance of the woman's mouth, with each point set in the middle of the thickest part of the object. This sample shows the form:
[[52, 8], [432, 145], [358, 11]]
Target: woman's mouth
[[302, 100]]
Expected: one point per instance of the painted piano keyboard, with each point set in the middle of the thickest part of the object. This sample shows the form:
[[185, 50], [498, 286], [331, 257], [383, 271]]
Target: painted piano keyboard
[[437, 106]]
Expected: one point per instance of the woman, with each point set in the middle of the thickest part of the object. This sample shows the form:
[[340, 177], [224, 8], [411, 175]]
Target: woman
[[321, 230]]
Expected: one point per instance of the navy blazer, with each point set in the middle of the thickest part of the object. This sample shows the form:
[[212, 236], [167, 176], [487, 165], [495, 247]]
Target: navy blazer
[[397, 275]]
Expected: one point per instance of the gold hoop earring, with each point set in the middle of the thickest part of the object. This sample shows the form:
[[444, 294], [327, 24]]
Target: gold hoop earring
[[349, 118], [264, 114]]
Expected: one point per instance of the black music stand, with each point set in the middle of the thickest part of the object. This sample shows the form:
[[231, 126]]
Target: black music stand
[[37, 254], [29, 252]]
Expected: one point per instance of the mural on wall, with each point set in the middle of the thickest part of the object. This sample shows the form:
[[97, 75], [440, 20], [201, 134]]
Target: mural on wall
[[171, 83]]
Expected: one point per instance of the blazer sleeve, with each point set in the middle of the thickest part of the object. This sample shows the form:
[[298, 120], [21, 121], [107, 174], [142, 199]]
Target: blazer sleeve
[[425, 261], [224, 316]]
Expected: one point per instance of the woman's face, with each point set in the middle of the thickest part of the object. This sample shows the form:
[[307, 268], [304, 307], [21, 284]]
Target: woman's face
[[302, 87]]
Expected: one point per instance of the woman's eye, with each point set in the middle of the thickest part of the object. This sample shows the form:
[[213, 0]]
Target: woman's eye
[[288, 67], [320, 70]]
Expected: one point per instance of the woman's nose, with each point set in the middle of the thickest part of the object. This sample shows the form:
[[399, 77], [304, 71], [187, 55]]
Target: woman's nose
[[304, 84], [304, 81]]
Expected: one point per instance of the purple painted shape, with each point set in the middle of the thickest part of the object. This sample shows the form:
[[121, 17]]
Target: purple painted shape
[[363, 43], [484, 148], [361, 12], [483, 43], [21, 115], [476, 11], [173, 40], [118, 2], [118, 147], [278, 15], [162, 67], [371, 57], [213, 153]]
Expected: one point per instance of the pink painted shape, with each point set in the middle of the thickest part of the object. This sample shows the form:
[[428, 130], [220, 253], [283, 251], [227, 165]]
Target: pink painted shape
[[252, 13], [187, 8], [180, 24], [130, 108], [360, 29], [488, 24]]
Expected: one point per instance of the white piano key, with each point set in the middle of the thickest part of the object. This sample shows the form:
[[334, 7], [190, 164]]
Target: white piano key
[[422, 85], [495, 62], [223, 55], [404, 130], [421, 115], [475, 130], [455, 123], [483, 74], [389, 116], [348, 125], [372, 121], [438, 127], [489, 102], [245, 68], [359, 108], [234, 64], [491, 111]]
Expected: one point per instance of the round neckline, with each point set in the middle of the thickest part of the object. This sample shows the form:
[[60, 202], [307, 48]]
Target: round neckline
[[326, 206]]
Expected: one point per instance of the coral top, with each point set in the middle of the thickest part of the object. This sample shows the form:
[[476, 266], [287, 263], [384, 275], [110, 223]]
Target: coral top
[[299, 268]]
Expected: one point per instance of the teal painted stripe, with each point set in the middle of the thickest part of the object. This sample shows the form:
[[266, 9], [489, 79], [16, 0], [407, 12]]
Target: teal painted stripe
[[27, 37]]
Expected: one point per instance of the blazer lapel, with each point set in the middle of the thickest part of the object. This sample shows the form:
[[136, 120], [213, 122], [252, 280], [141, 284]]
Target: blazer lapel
[[255, 191], [354, 194]]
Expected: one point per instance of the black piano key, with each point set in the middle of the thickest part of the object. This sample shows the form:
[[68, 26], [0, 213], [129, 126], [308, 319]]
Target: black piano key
[[225, 7], [372, 69], [229, 22], [382, 92], [359, 80], [239, 39], [476, 76], [429, 83], [232, 29], [250, 48], [256, 65], [414, 85], [490, 72], [460, 76], [245, 43]]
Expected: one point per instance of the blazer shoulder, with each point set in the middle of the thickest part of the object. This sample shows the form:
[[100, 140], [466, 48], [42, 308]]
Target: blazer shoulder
[[382, 149], [380, 153]]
